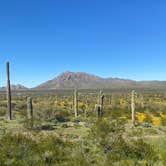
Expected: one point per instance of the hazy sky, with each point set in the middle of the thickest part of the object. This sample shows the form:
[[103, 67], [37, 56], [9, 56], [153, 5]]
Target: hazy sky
[[109, 38]]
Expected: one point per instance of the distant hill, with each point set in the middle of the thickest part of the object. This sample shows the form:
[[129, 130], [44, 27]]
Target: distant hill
[[15, 87], [81, 80]]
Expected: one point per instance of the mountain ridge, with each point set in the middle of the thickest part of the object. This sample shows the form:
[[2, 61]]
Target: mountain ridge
[[15, 87], [83, 80]]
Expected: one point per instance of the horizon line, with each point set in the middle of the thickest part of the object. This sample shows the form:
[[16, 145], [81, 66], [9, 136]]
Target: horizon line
[[102, 77]]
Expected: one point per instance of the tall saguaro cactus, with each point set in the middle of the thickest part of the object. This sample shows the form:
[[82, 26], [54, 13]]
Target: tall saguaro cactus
[[133, 107], [86, 107], [102, 99], [76, 102], [30, 111], [99, 106], [8, 90], [99, 97]]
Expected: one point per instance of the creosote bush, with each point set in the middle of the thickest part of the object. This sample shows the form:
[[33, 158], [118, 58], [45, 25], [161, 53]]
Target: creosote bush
[[108, 137]]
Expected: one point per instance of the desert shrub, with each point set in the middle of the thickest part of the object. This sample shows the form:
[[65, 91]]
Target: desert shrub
[[145, 124], [77, 119], [2, 111], [19, 106], [47, 127], [18, 150], [31, 124], [142, 150], [109, 138], [163, 121], [23, 150], [51, 114], [118, 113], [45, 113], [61, 118], [148, 118]]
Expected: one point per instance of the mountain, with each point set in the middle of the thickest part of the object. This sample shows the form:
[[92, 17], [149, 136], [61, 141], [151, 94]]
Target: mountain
[[81, 80], [15, 87]]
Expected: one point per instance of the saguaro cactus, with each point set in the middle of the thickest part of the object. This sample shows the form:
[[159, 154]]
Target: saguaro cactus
[[30, 110], [133, 107], [99, 106], [86, 107], [101, 99], [76, 102], [8, 90]]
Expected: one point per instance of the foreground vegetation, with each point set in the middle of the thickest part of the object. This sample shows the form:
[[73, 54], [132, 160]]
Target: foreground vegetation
[[59, 138]]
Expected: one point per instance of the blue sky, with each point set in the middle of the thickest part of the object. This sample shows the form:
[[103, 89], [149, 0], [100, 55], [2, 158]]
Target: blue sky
[[109, 38]]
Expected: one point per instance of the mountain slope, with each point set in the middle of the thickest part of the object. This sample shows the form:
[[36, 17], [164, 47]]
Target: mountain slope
[[15, 87], [81, 80]]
